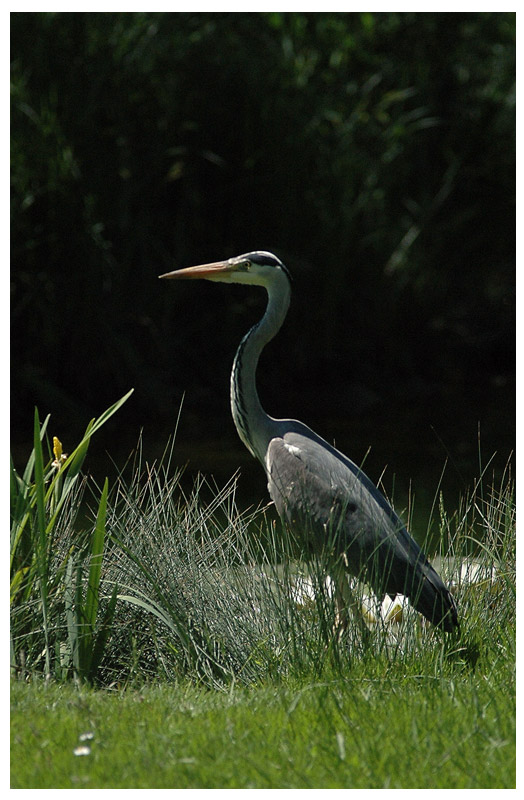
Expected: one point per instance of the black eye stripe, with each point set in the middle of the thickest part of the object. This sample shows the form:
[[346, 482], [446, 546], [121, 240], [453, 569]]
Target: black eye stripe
[[265, 259]]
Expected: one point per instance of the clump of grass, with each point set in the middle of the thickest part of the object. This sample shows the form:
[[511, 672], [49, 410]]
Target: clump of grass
[[480, 563], [55, 569], [168, 585], [216, 595]]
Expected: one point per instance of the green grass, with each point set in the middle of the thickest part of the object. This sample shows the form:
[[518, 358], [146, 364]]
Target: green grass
[[174, 629], [377, 728]]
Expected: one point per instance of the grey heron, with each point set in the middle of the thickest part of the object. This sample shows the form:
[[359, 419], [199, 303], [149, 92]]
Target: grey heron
[[326, 500]]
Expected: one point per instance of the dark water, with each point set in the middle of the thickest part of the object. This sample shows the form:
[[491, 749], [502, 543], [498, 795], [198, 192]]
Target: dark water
[[413, 458], [413, 466]]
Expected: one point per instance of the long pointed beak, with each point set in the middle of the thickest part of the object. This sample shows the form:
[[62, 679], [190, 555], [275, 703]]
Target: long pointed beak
[[215, 269]]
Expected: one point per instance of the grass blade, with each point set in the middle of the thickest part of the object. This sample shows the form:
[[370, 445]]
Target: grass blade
[[40, 540], [97, 553]]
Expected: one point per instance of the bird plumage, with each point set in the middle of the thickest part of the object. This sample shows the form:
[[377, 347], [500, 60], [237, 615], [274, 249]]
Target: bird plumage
[[337, 507], [327, 500]]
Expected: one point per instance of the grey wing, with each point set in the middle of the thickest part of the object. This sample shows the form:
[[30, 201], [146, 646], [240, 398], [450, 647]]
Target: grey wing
[[335, 504], [332, 504]]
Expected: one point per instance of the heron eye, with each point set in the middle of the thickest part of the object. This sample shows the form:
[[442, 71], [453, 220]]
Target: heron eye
[[246, 265]]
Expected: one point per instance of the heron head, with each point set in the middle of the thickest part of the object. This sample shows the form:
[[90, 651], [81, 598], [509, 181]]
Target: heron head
[[256, 268]]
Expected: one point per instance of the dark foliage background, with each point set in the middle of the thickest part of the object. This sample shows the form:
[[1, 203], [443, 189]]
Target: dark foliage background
[[374, 153]]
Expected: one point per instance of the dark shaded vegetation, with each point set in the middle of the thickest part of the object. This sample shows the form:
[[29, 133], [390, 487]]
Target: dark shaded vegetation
[[373, 152]]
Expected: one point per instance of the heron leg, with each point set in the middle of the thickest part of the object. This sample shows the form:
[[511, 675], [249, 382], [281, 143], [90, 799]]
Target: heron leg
[[346, 602]]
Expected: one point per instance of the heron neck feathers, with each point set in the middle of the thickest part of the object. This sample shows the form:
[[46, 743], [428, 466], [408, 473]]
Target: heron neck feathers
[[254, 426]]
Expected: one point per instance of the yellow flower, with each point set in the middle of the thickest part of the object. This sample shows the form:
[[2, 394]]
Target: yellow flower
[[57, 448], [60, 457]]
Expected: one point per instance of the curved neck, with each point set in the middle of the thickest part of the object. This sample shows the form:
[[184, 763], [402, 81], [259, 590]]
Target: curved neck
[[254, 426]]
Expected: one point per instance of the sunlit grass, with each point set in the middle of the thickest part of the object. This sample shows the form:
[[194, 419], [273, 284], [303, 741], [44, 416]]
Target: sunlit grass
[[211, 647], [381, 726]]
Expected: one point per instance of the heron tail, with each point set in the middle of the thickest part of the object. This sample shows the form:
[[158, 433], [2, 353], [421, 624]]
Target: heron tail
[[434, 600]]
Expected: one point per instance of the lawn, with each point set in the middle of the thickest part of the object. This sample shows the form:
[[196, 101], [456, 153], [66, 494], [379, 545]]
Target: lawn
[[382, 727]]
